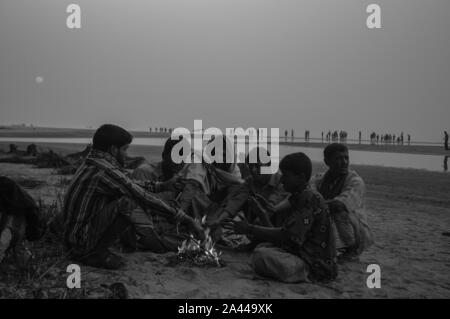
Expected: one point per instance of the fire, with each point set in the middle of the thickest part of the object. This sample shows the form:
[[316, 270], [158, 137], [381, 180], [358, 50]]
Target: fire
[[200, 252]]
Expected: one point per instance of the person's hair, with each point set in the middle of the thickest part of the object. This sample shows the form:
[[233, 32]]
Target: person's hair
[[168, 146], [256, 151], [331, 149], [298, 163], [109, 135], [224, 165]]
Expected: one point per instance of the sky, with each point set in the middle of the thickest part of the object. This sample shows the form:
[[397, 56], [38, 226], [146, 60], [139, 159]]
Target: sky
[[307, 65]]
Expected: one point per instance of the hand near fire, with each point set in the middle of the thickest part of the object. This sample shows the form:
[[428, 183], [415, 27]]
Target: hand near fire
[[213, 224], [238, 226], [197, 229]]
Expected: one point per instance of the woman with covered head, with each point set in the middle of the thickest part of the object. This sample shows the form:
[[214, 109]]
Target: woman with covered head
[[162, 171]]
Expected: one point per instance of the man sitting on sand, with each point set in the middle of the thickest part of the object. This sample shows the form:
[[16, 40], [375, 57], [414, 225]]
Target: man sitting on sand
[[344, 191], [303, 248], [99, 204]]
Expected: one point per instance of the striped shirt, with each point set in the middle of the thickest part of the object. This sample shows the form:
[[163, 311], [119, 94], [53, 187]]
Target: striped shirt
[[100, 181]]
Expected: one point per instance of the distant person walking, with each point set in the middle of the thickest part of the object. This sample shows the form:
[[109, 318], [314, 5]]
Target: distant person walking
[[409, 139], [292, 135], [359, 137], [446, 140], [285, 135]]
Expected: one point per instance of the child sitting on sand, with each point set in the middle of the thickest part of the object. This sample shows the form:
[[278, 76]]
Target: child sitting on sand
[[303, 248]]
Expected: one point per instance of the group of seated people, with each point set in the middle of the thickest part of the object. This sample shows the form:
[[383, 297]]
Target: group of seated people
[[296, 226]]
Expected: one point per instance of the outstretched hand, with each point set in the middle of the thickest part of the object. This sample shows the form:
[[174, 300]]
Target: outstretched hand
[[197, 229], [213, 224], [238, 227]]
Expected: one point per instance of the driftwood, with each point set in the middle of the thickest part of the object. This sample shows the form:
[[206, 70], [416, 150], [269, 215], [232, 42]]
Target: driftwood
[[17, 159], [66, 165], [79, 156], [32, 150], [31, 156], [51, 160], [13, 148]]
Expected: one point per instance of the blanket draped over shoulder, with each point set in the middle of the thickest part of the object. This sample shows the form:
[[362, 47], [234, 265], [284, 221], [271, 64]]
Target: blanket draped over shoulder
[[14, 200], [350, 191]]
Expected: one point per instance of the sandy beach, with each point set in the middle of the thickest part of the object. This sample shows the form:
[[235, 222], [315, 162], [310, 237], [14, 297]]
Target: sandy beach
[[408, 211]]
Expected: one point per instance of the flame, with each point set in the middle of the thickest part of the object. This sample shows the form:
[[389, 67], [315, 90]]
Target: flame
[[203, 250]]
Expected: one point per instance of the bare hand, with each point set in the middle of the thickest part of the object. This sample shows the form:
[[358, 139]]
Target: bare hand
[[238, 227], [213, 224], [197, 229]]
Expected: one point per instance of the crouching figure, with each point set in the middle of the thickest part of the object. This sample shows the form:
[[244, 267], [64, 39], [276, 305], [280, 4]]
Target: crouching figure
[[19, 218]]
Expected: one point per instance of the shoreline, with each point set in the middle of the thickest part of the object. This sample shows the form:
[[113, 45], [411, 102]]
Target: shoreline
[[153, 153], [88, 133]]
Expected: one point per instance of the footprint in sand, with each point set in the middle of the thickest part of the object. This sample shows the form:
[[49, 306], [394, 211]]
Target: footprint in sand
[[187, 273]]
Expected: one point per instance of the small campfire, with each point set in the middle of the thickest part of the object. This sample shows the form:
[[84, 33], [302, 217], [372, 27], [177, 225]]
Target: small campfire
[[200, 253]]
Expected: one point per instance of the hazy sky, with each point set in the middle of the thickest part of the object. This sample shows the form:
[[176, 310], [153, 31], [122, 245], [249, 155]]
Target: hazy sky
[[264, 63]]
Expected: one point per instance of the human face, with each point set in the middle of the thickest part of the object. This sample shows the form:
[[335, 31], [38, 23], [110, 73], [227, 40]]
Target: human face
[[120, 153], [338, 163], [292, 182], [260, 179]]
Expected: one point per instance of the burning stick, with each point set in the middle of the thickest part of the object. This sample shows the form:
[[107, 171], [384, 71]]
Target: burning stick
[[199, 251]]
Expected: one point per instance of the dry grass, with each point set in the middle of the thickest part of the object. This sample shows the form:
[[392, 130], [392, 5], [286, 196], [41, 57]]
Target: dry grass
[[37, 270]]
